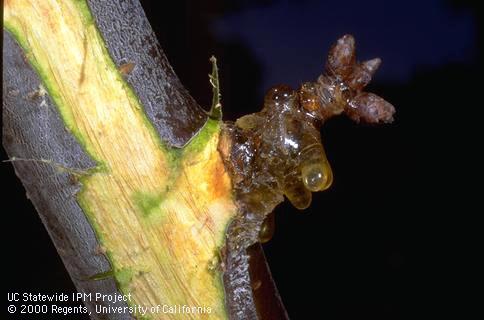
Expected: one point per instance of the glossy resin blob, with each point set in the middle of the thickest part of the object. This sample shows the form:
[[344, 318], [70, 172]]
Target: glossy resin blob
[[278, 151]]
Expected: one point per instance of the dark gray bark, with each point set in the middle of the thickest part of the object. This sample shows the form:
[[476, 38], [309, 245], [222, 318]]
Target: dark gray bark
[[129, 37], [32, 129]]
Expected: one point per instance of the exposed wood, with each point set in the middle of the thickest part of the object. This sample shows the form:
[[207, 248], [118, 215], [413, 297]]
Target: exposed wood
[[33, 130]]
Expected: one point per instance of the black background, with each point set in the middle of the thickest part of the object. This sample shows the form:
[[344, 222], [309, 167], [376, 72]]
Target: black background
[[386, 240]]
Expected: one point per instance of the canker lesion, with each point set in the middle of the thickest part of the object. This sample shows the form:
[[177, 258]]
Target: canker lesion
[[278, 151]]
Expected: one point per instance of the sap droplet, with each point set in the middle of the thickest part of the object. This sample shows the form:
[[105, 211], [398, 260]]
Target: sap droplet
[[316, 172], [267, 228], [298, 195], [315, 177]]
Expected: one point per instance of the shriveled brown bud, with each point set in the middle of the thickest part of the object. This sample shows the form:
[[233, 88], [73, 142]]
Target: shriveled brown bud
[[341, 57], [362, 73], [370, 108], [371, 65]]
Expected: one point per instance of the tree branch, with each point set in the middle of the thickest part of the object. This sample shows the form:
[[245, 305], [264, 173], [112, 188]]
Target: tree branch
[[34, 130]]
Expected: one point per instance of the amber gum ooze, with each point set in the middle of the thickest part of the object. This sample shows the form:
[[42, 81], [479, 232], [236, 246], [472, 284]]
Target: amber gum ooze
[[286, 155]]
